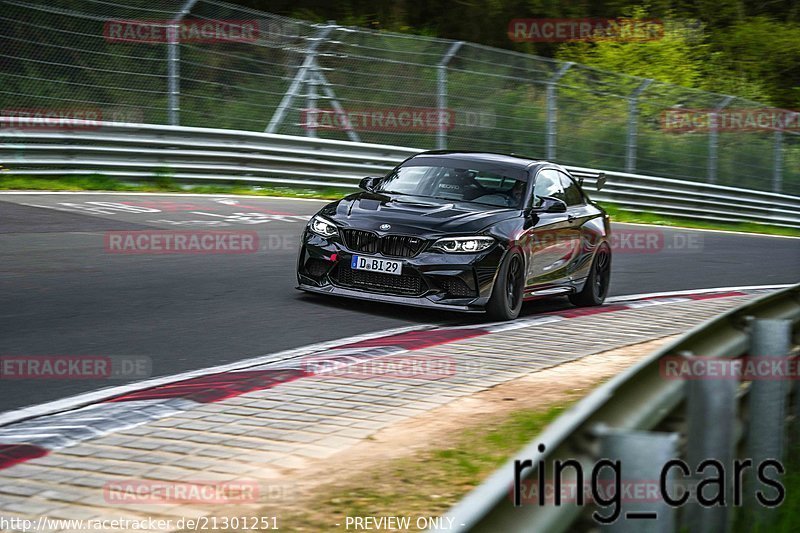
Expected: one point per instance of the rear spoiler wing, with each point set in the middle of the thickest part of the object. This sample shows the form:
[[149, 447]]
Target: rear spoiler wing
[[599, 177]]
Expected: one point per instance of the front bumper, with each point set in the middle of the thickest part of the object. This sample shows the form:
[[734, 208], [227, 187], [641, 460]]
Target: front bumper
[[456, 282]]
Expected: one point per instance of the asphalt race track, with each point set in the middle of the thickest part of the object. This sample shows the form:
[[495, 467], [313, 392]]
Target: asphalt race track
[[63, 293]]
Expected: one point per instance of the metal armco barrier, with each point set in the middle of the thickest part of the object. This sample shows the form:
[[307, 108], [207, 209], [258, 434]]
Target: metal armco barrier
[[140, 152], [644, 419]]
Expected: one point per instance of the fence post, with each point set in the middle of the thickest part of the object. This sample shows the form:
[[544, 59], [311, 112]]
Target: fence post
[[777, 164], [642, 456], [713, 139], [711, 411], [552, 110], [767, 407], [300, 77], [633, 125], [173, 63], [441, 94], [340, 111], [311, 102]]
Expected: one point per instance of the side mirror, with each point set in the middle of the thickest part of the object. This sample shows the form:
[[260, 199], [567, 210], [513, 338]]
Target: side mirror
[[552, 205], [368, 183], [601, 181]]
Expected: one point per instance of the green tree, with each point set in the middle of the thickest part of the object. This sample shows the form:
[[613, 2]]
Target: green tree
[[757, 58], [677, 57]]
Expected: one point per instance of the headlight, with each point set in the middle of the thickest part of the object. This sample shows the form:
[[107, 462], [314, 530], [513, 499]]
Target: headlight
[[463, 244], [323, 227]]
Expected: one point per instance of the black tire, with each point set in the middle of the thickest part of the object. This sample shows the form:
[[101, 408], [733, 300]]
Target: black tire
[[596, 287], [506, 300]]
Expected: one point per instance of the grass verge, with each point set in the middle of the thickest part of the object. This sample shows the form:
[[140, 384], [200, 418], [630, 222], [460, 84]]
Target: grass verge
[[783, 519], [428, 483], [164, 183], [618, 215]]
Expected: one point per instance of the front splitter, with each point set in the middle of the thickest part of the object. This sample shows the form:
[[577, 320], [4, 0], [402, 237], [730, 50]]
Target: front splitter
[[390, 298]]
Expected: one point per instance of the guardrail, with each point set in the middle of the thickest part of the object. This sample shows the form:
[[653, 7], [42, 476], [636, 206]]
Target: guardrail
[[140, 151], [644, 420]]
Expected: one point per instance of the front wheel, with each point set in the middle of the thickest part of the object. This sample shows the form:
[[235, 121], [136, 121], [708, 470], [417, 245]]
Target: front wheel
[[596, 287], [506, 300]]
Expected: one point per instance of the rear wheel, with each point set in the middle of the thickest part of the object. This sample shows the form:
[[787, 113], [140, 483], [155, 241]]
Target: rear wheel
[[596, 287], [506, 300]]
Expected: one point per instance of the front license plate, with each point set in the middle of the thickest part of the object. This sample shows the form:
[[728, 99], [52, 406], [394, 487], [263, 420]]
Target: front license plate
[[387, 266]]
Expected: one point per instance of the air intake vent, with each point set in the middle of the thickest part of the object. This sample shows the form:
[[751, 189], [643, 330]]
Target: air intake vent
[[389, 245], [361, 241], [401, 245]]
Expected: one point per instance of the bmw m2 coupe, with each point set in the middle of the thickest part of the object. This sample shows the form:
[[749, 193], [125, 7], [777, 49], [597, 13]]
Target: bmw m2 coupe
[[462, 231]]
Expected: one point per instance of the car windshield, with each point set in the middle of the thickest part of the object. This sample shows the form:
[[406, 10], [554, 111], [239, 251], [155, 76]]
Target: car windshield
[[460, 184]]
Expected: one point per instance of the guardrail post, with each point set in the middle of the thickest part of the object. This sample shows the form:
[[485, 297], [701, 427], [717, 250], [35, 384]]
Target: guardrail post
[[711, 411], [794, 428], [173, 63], [633, 126], [552, 110], [777, 163], [642, 456], [770, 340], [441, 94], [300, 77], [713, 139]]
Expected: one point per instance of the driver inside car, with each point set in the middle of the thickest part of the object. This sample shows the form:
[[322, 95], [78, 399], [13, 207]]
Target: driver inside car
[[516, 193]]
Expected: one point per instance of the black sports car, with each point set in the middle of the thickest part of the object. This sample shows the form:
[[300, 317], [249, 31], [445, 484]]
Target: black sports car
[[463, 231]]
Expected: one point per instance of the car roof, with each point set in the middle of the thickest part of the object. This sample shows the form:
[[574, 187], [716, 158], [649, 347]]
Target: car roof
[[519, 161]]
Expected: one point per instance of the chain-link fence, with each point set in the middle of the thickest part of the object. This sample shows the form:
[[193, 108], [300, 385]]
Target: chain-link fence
[[208, 63]]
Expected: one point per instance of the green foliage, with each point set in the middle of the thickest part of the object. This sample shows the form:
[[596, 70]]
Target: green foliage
[[758, 58], [162, 178], [676, 58]]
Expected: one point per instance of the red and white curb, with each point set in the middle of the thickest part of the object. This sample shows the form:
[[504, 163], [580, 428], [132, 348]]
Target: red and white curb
[[34, 432]]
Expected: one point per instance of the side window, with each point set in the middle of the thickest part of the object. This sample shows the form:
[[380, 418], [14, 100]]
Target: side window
[[548, 183], [572, 193]]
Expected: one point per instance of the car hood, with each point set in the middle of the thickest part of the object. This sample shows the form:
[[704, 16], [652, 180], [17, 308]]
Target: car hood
[[414, 215]]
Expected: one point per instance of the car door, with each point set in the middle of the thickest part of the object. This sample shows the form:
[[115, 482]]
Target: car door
[[549, 242], [578, 212]]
